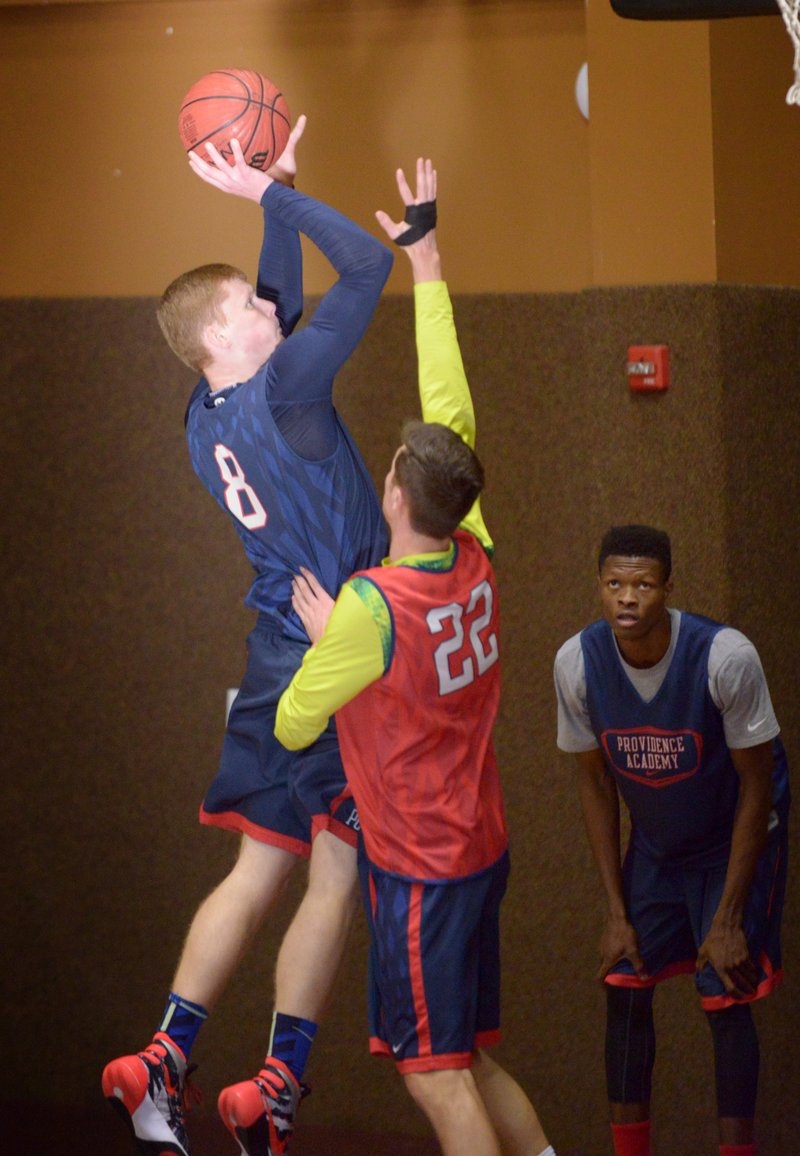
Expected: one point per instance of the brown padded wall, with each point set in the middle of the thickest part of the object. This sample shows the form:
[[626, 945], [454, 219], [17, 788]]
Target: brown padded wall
[[124, 626]]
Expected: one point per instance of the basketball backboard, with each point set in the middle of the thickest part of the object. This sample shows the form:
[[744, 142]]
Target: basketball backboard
[[693, 9]]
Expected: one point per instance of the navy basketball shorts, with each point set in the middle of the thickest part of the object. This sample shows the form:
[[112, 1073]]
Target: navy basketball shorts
[[671, 908], [262, 790], [434, 966]]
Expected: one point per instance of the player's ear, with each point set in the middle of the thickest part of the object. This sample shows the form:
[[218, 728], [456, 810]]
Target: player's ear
[[215, 337], [404, 505], [396, 498]]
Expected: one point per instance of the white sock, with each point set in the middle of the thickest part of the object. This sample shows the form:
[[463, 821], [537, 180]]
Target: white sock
[[548, 1151]]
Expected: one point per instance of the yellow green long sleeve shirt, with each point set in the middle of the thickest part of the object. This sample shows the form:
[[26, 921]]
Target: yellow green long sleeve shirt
[[355, 649]]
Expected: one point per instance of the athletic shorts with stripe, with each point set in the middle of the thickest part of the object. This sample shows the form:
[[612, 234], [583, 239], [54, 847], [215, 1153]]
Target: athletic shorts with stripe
[[671, 908], [434, 966], [277, 796]]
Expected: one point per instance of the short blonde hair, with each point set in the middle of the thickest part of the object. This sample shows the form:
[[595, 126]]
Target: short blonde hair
[[189, 304]]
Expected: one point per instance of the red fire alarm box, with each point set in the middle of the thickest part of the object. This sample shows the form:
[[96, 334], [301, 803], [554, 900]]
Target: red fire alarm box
[[648, 368]]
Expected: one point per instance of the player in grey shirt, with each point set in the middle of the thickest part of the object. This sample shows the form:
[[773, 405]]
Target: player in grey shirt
[[671, 712], [736, 683]]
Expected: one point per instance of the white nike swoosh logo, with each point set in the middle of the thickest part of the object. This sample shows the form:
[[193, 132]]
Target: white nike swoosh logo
[[754, 726]]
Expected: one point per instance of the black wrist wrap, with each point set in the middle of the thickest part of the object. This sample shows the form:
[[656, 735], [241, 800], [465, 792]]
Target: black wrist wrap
[[421, 218]]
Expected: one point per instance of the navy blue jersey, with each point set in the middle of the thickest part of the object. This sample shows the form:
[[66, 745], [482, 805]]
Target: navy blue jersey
[[272, 450], [668, 756]]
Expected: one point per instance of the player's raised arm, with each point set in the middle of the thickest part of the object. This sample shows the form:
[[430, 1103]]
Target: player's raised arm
[[443, 387], [280, 263], [307, 365]]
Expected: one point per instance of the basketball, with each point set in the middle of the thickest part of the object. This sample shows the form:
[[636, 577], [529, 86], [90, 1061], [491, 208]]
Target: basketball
[[235, 102]]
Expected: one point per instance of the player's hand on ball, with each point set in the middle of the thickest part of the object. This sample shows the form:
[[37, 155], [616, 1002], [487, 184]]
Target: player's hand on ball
[[285, 168], [312, 604], [238, 178]]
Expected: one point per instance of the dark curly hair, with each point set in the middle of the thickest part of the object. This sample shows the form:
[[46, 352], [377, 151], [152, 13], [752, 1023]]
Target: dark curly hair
[[637, 542]]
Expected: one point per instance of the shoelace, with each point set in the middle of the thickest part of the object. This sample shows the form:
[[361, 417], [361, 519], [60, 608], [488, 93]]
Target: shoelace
[[155, 1052], [190, 1094], [276, 1083]]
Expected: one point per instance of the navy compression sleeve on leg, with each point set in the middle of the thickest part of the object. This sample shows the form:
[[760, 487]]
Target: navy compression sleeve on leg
[[630, 1044], [736, 1060]]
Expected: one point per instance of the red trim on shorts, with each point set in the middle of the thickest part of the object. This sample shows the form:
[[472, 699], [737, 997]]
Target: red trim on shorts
[[340, 798], [435, 1063], [487, 1039], [685, 967], [232, 821], [381, 1049], [335, 827], [768, 985], [415, 971], [709, 1002], [373, 893]]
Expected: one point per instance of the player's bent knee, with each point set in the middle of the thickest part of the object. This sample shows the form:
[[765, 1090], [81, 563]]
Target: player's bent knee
[[261, 871], [431, 1090], [334, 864]]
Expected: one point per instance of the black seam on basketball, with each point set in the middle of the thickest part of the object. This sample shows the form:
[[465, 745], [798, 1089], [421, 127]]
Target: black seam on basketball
[[252, 94]]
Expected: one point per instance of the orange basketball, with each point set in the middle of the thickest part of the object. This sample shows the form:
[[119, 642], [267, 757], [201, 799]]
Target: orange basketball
[[235, 102]]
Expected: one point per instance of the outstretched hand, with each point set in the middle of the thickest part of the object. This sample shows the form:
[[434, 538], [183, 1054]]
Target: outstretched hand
[[424, 253], [312, 604], [426, 192]]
